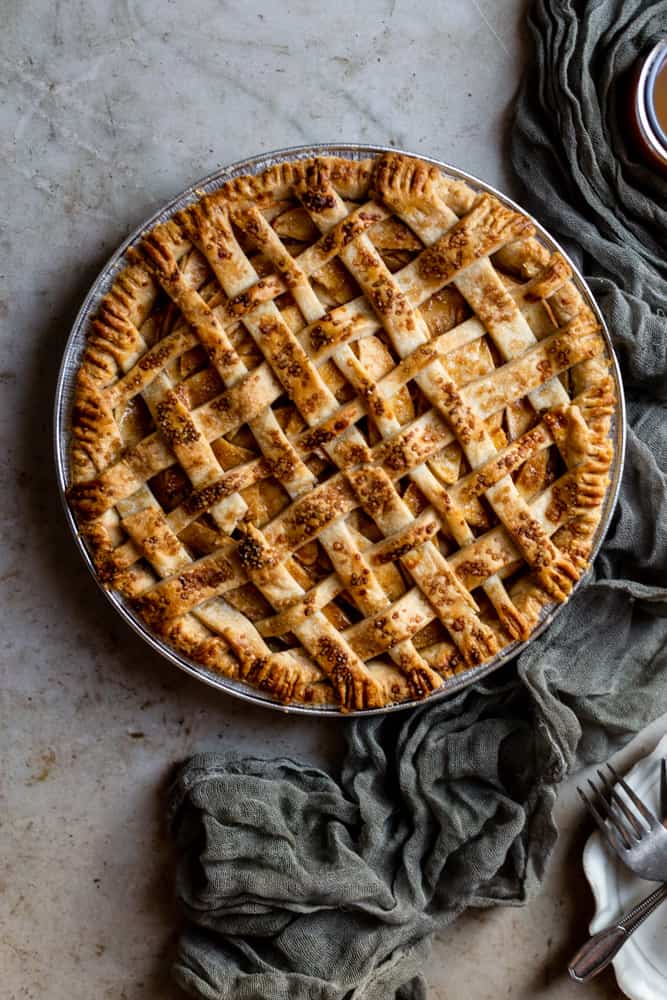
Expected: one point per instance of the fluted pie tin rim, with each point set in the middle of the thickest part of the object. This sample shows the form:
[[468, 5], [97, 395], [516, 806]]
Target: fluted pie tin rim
[[63, 412]]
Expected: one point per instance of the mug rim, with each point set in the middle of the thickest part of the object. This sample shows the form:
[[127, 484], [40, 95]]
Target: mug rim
[[658, 63], [649, 130]]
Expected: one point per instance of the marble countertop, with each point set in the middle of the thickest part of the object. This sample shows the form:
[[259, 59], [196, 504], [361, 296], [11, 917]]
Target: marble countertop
[[112, 108]]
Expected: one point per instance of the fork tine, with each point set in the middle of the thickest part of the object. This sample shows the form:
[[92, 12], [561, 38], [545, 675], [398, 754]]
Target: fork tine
[[599, 819], [599, 797], [618, 826], [635, 827], [663, 788], [623, 829], [644, 812], [613, 818], [620, 845], [615, 845], [615, 799]]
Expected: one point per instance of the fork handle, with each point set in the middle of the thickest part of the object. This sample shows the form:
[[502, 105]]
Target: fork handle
[[602, 948]]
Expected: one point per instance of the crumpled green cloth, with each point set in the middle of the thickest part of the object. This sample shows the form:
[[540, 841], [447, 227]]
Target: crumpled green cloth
[[299, 884]]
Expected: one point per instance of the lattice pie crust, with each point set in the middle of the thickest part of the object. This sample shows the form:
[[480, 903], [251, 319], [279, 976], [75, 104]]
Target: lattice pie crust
[[342, 430]]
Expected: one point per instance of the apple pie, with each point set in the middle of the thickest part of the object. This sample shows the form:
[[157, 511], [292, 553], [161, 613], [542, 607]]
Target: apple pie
[[342, 430]]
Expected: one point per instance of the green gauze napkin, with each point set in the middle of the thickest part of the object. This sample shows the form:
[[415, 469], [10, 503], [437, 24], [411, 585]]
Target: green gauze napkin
[[298, 884]]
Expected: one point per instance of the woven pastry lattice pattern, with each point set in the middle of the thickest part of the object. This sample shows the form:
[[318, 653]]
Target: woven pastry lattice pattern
[[341, 430]]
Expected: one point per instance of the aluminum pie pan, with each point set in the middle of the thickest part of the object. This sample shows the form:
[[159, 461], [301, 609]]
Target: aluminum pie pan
[[65, 393]]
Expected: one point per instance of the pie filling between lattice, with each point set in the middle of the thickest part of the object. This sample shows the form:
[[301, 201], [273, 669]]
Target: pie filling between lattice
[[342, 430]]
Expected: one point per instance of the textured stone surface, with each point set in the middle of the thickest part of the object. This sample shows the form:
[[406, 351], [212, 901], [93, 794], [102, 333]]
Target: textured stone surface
[[113, 107]]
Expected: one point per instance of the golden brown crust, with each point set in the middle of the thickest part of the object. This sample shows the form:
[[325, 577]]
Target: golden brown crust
[[324, 404]]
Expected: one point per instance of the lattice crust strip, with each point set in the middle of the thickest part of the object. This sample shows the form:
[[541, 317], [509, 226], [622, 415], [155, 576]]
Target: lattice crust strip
[[342, 430]]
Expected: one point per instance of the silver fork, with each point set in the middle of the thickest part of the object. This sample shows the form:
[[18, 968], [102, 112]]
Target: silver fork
[[636, 836], [641, 843]]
